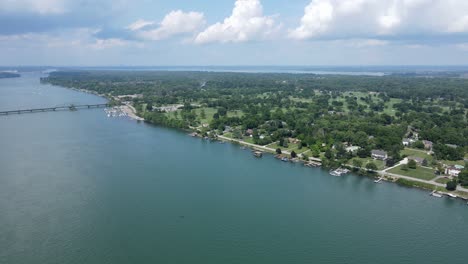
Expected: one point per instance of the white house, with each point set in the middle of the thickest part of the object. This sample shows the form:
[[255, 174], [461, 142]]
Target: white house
[[454, 170]]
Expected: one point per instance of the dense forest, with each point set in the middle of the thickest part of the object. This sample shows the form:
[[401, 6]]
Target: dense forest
[[325, 113]]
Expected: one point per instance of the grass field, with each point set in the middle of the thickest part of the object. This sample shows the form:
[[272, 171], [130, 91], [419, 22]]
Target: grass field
[[209, 112], [380, 163], [419, 173], [417, 153], [291, 147], [442, 180], [457, 162]]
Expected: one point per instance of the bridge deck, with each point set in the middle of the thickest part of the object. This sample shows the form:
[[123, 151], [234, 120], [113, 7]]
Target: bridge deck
[[49, 109]]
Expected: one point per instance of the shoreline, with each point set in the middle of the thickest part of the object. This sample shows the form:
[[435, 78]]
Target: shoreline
[[461, 194], [388, 177]]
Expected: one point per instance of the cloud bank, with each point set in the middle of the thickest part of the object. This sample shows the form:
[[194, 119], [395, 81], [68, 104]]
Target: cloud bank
[[246, 22], [381, 18]]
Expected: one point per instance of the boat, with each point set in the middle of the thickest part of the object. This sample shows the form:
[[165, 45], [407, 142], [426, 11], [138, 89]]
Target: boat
[[335, 173], [258, 154], [435, 194], [379, 180], [451, 195], [284, 159]]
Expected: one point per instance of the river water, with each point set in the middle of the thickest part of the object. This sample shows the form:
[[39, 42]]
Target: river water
[[79, 187]]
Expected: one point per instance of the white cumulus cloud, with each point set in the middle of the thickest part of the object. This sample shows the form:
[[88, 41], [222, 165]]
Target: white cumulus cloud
[[374, 18], [316, 20], [246, 22], [174, 23]]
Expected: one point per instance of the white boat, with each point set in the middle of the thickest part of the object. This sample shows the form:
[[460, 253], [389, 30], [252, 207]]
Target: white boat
[[451, 195], [435, 194], [335, 173], [379, 180]]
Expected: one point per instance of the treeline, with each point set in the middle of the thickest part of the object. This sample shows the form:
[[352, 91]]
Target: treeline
[[321, 111]]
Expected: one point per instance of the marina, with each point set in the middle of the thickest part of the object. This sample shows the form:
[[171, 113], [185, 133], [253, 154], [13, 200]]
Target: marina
[[115, 112]]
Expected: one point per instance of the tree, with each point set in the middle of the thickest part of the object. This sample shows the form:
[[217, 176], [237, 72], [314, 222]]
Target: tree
[[278, 151], [451, 185], [149, 107], [463, 177], [412, 164], [424, 162], [357, 163], [328, 154], [371, 166], [418, 144], [293, 154]]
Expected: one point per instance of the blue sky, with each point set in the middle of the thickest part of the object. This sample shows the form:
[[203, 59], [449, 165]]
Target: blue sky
[[233, 32]]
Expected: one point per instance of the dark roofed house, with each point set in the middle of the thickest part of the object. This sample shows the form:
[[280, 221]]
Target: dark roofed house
[[379, 154], [418, 160]]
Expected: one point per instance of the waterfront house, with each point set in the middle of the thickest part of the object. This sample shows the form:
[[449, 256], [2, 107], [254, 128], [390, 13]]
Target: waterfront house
[[379, 154], [249, 132], [427, 144], [418, 160], [352, 149], [454, 170]]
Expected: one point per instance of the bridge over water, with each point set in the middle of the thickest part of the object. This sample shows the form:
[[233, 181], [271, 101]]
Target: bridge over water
[[56, 108]]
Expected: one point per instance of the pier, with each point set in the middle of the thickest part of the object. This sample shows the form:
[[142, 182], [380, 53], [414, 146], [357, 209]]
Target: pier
[[53, 109]]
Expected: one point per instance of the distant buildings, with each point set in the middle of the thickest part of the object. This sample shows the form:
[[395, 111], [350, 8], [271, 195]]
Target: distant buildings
[[379, 154]]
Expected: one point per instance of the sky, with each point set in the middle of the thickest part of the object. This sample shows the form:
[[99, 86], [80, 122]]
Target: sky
[[233, 32]]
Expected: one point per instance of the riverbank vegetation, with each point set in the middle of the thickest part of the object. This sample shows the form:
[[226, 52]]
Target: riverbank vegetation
[[338, 119]]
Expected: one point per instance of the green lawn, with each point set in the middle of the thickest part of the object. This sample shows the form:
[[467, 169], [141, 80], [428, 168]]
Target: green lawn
[[209, 112], [380, 163], [449, 162], [417, 153], [442, 180], [389, 109], [291, 147], [419, 173], [249, 140]]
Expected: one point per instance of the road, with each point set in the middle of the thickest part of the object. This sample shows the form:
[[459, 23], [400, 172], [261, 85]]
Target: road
[[252, 145]]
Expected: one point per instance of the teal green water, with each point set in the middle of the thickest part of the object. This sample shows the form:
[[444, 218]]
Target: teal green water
[[79, 187]]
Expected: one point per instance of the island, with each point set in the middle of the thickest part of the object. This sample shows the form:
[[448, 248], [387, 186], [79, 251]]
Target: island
[[9, 75], [408, 128]]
